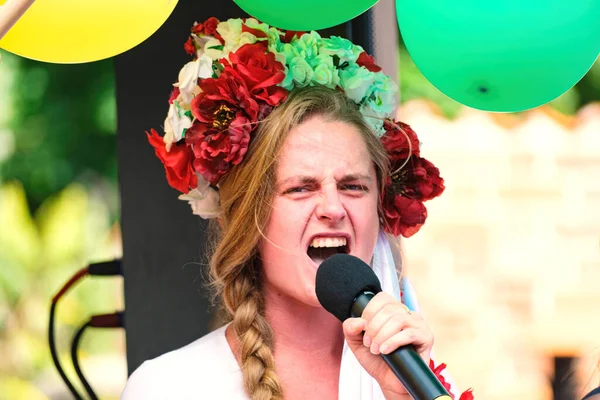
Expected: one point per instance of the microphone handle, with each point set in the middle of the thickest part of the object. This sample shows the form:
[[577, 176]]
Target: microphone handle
[[418, 379]]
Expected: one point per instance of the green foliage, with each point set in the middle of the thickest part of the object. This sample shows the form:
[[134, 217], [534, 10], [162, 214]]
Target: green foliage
[[38, 254], [63, 125], [58, 210]]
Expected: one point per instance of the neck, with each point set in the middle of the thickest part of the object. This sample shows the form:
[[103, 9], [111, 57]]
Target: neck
[[302, 328]]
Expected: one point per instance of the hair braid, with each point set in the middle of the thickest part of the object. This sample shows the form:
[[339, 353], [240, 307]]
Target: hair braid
[[255, 339]]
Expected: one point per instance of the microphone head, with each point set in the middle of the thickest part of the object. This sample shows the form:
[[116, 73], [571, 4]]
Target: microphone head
[[340, 279]]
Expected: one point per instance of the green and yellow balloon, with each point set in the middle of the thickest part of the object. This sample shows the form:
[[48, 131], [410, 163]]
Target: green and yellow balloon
[[501, 55]]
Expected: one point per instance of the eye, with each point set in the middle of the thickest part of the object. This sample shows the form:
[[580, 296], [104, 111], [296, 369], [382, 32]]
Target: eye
[[355, 187], [297, 189]]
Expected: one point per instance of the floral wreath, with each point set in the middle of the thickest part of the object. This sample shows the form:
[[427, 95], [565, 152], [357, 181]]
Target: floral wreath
[[241, 70]]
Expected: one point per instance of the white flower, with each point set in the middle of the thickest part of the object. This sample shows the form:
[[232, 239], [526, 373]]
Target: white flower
[[188, 78], [213, 49], [231, 32], [176, 123], [204, 199]]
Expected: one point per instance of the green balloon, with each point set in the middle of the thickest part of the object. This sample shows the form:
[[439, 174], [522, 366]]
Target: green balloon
[[501, 55], [304, 15]]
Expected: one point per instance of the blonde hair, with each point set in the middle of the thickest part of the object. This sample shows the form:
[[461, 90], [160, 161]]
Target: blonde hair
[[246, 194]]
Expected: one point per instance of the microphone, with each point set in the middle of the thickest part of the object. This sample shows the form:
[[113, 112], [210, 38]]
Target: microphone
[[344, 287]]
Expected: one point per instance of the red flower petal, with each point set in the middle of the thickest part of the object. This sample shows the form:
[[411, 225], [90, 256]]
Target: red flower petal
[[400, 141], [260, 71], [177, 162], [289, 35], [197, 28], [403, 216], [210, 26], [189, 46], [256, 32], [174, 95], [367, 61]]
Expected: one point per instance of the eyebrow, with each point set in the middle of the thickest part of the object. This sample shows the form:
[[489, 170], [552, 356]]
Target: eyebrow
[[310, 179]]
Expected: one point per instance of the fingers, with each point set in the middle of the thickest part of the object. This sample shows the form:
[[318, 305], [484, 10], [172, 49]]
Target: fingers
[[353, 328], [389, 325]]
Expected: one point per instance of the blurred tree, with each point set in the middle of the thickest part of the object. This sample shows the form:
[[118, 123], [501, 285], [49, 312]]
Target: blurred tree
[[63, 125]]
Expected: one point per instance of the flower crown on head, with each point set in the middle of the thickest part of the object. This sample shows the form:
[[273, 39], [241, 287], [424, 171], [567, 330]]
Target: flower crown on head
[[241, 70]]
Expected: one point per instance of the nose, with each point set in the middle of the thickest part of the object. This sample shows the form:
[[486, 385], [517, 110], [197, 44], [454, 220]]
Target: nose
[[330, 207]]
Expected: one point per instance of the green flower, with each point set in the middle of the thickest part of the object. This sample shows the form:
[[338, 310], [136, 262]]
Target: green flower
[[382, 96], [374, 120], [301, 72], [380, 102], [356, 82], [306, 46], [343, 48], [325, 73]]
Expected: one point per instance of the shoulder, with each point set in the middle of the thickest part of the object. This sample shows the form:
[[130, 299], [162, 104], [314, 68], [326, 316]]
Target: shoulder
[[202, 368]]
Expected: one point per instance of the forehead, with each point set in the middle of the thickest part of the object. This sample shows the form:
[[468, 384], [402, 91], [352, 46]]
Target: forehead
[[319, 146]]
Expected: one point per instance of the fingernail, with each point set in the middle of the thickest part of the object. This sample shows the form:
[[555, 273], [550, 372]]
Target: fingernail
[[375, 348], [383, 349], [367, 341]]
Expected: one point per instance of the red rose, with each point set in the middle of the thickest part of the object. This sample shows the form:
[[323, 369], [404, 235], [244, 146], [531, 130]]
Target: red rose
[[367, 61], [396, 141], [210, 26], [189, 47], [218, 150], [177, 162], [257, 67], [402, 215]]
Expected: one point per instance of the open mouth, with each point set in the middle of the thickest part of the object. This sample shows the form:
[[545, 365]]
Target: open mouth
[[322, 248]]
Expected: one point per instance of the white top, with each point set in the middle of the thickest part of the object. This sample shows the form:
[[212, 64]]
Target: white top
[[207, 369], [204, 369]]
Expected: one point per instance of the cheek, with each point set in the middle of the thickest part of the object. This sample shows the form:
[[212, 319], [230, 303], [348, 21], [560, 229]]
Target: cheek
[[365, 219]]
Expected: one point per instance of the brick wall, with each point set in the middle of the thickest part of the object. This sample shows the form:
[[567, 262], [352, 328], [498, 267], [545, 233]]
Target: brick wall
[[507, 267]]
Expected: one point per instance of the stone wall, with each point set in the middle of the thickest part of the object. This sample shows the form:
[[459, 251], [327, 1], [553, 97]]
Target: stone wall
[[507, 267]]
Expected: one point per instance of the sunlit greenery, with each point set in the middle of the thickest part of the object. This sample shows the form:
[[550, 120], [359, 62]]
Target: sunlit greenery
[[58, 210]]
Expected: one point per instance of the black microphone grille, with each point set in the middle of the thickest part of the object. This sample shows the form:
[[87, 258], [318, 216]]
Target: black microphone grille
[[340, 279]]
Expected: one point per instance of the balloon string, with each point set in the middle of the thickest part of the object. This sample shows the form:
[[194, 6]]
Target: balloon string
[[11, 12]]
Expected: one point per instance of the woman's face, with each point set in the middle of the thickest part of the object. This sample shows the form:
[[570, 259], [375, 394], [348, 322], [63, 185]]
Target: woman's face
[[325, 202]]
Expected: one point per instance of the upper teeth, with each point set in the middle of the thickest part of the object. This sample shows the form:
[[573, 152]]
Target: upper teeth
[[328, 242]]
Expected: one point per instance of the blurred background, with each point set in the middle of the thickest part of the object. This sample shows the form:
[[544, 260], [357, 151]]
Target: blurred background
[[506, 268]]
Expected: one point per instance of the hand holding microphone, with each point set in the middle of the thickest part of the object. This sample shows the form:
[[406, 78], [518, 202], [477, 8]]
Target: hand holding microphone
[[396, 344]]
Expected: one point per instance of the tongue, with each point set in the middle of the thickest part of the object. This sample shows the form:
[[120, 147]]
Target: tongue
[[318, 255]]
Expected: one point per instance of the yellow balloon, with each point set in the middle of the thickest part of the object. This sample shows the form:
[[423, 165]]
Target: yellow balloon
[[78, 31]]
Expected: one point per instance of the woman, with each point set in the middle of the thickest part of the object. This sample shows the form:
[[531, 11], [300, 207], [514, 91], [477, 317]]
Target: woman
[[284, 138]]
